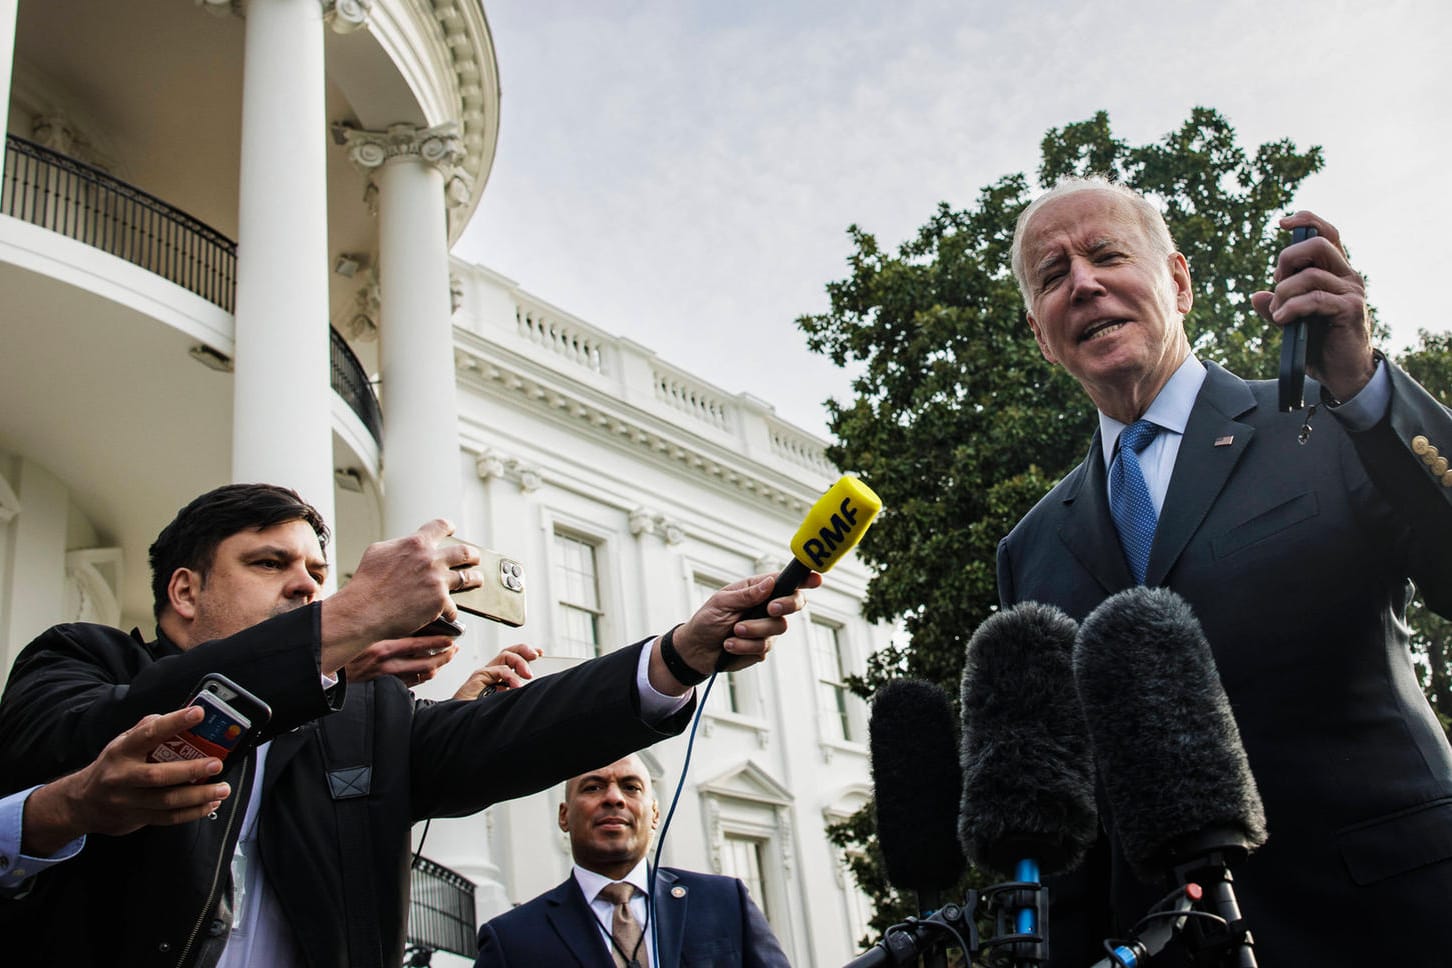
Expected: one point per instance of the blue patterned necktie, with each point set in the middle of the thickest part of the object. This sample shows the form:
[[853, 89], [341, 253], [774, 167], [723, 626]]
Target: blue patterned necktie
[[1129, 502]]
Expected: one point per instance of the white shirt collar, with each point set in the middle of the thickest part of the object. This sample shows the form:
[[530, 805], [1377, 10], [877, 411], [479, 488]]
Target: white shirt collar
[[1170, 408], [591, 883]]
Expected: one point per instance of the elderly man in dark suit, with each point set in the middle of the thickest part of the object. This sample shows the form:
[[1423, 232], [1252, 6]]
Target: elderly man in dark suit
[[1299, 558], [600, 916]]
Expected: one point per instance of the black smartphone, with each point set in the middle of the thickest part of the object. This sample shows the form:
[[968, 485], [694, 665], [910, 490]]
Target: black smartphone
[[1296, 346], [232, 722], [440, 626]]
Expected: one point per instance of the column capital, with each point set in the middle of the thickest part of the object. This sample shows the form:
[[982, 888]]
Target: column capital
[[441, 146], [346, 16]]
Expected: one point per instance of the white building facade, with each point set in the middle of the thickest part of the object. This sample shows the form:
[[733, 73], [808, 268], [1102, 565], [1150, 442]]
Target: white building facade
[[224, 256]]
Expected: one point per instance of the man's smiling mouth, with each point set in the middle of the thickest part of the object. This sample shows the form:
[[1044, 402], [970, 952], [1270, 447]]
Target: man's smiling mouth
[[1099, 328]]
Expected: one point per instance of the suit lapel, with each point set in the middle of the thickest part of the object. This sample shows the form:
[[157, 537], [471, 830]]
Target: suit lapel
[[670, 913], [1212, 446], [1088, 531], [574, 923]]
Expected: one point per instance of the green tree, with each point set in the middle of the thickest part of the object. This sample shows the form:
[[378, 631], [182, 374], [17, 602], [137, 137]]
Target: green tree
[[958, 422]]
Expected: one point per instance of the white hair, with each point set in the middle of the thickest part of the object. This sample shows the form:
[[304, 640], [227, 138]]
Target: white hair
[[1150, 219]]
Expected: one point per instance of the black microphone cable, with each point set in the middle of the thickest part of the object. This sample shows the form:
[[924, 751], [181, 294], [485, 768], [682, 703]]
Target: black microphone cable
[[671, 812]]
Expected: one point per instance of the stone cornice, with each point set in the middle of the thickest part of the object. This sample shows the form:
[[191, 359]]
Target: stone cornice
[[595, 413]]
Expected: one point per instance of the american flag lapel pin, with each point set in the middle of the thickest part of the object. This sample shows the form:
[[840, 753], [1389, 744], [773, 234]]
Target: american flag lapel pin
[[1225, 441]]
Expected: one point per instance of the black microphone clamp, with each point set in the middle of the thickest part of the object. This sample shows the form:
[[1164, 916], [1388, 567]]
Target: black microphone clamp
[[1222, 941], [903, 944]]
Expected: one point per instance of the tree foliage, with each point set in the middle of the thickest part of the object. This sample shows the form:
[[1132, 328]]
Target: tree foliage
[[960, 425], [958, 422]]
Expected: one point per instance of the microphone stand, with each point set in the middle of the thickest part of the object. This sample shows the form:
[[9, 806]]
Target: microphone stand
[[929, 902], [1224, 941], [1009, 903]]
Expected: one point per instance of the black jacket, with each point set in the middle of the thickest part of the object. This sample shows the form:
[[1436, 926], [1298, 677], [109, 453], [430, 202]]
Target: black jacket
[[1299, 561], [162, 896]]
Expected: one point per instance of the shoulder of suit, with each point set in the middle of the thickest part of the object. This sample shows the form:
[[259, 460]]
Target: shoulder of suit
[[534, 907]]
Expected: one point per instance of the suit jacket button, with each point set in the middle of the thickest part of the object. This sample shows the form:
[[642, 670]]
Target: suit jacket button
[[1447, 479], [1430, 455], [1439, 467], [1420, 445]]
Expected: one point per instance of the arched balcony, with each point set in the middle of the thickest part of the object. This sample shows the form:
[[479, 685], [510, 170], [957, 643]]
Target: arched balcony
[[84, 203]]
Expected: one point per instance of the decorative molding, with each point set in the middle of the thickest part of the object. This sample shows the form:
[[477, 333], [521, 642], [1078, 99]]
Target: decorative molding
[[456, 293], [475, 369], [346, 16], [368, 301], [440, 146], [788, 849], [530, 477], [93, 585], [715, 834], [643, 521], [221, 8], [453, 21], [491, 464], [766, 562]]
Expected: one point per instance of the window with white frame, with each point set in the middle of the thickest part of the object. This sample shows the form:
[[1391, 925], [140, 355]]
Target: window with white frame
[[839, 710], [741, 857], [748, 819], [577, 591]]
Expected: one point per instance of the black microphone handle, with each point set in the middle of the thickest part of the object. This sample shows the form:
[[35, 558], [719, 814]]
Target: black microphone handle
[[788, 581]]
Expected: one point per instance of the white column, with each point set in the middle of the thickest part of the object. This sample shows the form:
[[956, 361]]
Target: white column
[[9, 9], [281, 424], [413, 179]]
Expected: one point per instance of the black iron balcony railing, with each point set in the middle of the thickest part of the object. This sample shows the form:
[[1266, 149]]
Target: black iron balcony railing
[[350, 382], [440, 912], [56, 192], [79, 201]]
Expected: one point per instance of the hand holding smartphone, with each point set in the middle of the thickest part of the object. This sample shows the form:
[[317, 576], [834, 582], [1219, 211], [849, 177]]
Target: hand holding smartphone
[[499, 597], [232, 720]]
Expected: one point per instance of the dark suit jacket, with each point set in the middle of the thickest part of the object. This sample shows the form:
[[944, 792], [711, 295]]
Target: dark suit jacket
[[161, 896], [706, 921], [1298, 561]]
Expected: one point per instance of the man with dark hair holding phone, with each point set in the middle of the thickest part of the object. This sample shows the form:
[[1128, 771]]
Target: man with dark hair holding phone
[[601, 913], [1297, 551], [309, 866]]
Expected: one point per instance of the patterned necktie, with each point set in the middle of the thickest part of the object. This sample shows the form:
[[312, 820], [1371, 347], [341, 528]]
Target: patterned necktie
[[625, 931], [1129, 502]]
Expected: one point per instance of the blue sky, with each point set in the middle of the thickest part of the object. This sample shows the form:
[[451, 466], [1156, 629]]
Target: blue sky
[[683, 173]]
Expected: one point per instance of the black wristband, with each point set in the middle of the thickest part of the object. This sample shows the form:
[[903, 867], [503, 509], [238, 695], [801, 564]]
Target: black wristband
[[678, 666]]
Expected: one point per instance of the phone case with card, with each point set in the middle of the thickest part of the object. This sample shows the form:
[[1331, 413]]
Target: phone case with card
[[233, 720]]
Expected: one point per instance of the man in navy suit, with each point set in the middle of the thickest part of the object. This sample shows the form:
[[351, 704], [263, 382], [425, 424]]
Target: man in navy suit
[[703, 919], [1298, 556]]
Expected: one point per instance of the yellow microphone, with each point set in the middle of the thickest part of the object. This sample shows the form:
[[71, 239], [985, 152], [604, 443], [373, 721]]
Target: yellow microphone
[[831, 528]]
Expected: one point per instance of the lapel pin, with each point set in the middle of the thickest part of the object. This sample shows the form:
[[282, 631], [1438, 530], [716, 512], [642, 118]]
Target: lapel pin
[[678, 892], [1225, 441]]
